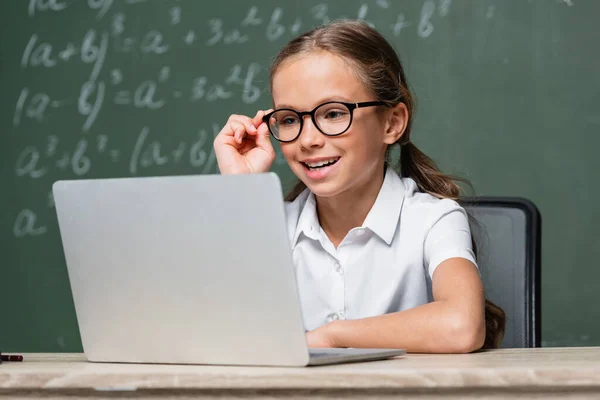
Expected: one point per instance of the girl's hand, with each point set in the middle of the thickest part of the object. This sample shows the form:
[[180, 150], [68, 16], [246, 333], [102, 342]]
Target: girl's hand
[[243, 145], [320, 337]]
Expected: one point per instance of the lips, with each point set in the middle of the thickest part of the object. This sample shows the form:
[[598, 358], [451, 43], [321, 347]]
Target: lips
[[320, 163], [318, 169]]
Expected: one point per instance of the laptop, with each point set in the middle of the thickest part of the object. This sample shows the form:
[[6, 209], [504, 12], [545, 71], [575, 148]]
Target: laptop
[[186, 270]]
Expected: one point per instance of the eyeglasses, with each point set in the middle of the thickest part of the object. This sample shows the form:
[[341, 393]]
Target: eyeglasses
[[331, 119]]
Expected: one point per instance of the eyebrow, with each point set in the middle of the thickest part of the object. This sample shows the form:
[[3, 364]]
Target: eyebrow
[[321, 101]]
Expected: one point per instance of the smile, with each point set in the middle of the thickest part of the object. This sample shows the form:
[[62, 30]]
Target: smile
[[320, 164]]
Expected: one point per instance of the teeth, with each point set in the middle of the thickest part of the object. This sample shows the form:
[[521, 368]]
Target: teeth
[[321, 163]]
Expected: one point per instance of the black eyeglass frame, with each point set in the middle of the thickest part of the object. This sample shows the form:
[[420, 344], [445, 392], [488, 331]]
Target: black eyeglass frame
[[301, 114]]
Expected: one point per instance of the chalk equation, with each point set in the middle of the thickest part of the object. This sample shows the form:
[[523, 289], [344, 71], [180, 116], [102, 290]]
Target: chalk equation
[[63, 127], [77, 161], [149, 94], [275, 22], [146, 151]]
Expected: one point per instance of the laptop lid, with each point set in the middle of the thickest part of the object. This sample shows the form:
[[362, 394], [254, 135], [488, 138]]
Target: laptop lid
[[182, 269]]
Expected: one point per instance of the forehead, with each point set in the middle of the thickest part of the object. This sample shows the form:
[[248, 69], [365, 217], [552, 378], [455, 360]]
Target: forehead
[[306, 80]]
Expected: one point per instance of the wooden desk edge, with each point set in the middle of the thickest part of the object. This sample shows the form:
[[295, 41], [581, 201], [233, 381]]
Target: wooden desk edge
[[70, 373]]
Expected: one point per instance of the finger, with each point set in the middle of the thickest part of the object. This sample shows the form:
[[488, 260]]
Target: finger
[[228, 130], [234, 120], [262, 138], [248, 125], [247, 121], [247, 129], [258, 118], [263, 130], [239, 133], [263, 113]]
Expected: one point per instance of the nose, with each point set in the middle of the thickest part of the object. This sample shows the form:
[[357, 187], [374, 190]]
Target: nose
[[311, 137]]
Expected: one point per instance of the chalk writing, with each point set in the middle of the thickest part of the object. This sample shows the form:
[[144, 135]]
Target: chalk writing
[[150, 152], [425, 24], [153, 42], [44, 5], [27, 163], [175, 15], [144, 70], [26, 225], [90, 91], [101, 5], [38, 53]]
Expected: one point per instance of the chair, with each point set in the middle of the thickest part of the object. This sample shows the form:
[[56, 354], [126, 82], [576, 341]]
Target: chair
[[507, 234]]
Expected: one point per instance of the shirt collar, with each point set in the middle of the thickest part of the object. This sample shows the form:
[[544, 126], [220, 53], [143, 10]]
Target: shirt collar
[[308, 222], [382, 219], [384, 216]]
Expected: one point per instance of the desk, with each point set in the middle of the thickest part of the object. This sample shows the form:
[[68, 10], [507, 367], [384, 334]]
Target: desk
[[515, 373]]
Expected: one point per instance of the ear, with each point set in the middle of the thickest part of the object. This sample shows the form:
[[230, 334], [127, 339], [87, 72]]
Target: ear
[[396, 123]]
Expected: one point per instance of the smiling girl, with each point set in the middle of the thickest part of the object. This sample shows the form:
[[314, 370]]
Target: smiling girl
[[383, 257]]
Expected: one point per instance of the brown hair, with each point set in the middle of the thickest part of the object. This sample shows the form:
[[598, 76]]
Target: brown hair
[[377, 65]]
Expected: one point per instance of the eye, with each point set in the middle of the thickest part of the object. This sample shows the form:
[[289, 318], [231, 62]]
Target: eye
[[288, 120], [335, 114]]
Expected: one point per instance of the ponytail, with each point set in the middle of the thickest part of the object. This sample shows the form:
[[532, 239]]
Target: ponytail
[[296, 190], [495, 325], [423, 170]]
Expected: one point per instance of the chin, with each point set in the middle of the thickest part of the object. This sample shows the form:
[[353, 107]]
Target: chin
[[324, 189], [325, 186]]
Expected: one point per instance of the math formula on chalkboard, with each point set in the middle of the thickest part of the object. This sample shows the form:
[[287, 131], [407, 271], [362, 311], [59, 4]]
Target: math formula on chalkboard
[[64, 126]]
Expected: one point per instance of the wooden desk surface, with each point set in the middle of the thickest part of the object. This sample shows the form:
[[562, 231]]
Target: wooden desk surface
[[518, 373]]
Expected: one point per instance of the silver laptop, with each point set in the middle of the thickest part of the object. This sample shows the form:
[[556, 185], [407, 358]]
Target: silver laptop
[[186, 270]]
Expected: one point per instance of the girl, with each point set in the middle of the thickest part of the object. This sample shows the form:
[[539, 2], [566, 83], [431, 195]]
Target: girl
[[383, 258]]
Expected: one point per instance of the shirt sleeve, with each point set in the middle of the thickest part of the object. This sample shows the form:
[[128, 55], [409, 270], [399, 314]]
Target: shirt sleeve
[[448, 237]]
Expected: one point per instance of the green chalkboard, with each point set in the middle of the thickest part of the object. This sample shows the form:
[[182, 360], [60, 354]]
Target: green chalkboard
[[508, 97]]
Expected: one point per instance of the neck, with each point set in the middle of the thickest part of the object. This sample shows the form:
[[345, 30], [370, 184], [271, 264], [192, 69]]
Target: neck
[[340, 213]]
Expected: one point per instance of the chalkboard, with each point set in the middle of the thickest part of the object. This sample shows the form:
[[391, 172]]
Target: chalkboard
[[508, 97]]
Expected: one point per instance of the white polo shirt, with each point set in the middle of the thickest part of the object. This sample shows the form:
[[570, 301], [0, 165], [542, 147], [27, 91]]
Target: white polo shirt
[[385, 265]]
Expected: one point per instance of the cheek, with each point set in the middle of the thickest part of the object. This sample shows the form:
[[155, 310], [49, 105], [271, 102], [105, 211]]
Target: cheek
[[367, 139], [288, 150]]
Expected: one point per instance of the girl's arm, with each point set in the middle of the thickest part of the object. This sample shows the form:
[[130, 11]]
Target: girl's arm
[[453, 323]]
